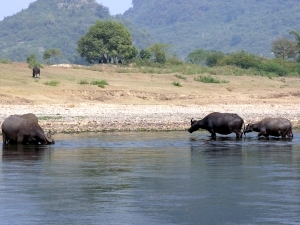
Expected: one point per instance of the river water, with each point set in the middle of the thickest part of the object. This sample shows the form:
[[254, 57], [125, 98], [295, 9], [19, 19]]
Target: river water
[[151, 178]]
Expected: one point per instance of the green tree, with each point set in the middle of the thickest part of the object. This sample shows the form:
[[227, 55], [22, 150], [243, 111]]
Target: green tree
[[32, 62], [197, 57], [145, 54], [108, 39], [159, 52], [284, 48], [242, 59], [51, 53], [214, 57], [297, 37], [205, 57]]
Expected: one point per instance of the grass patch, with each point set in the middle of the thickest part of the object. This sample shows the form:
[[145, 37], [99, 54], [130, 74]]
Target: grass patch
[[122, 70], [83, 82], [210, 80], [52, 83], [177, 84], [50, 117], [99, 83], [5, 61]]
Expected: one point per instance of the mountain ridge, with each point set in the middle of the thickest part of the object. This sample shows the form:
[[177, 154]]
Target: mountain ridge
[[56, 24], [229, 26]]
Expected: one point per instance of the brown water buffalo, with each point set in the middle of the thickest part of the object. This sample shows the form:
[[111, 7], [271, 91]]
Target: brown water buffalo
[[271, 127], [35, 72], [24, 129], [221, 123]]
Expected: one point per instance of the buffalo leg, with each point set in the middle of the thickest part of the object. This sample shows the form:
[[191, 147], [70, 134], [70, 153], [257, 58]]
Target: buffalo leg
[[290, 134], [263, 133], [283, 134], [239, 134], [20, 139], [4, 139], [213, 133]]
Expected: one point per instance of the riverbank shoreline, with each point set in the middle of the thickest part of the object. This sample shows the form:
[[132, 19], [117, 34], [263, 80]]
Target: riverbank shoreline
[[102, 117]]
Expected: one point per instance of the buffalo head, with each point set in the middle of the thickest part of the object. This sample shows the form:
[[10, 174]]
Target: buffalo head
[[193, 128], [249, 128], [49, 139]]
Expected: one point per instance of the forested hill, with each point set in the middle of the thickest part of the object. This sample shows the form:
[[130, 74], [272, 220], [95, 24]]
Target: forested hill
[[55, 24], [227, 26]]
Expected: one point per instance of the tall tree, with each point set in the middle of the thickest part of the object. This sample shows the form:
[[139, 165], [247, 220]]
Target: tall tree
[[197, 57], [284, 48], [32, 62], [159, 52], [297, 37], [106, 40], [53, 52], [205, 57]]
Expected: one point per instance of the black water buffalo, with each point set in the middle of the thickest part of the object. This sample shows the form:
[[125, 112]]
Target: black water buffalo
[[221, 123], [24, 129], [271, 127], [35, 72]]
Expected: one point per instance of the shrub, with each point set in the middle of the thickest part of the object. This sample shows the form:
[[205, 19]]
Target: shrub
[[83, 82], [210, 79], [177, 84], [205, 57], [213, 58], [273, 67], [52, 83], [242, 59], [174, 61], [100, 83]]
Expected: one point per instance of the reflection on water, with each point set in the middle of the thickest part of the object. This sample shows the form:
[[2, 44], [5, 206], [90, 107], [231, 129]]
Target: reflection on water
[[24, 152], [151, 178]]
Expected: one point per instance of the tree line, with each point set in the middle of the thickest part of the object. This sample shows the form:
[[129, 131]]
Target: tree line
[[111, 42]]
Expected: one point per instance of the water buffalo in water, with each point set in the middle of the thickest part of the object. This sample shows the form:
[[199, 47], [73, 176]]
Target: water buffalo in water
[[35, 72], [221, 123], [24, 129], [271, 127]]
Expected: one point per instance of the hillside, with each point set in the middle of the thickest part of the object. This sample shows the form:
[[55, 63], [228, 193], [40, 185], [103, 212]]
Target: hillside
[[54, 24], [227, 26]]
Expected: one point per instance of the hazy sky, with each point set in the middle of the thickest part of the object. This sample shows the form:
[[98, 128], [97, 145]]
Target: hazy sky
[[10, 7]]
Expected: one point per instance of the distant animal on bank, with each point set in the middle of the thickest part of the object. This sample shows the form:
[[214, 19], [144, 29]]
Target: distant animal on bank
[[103, 60], [24, 129], [35, 72], [221, 123], [271, 127]]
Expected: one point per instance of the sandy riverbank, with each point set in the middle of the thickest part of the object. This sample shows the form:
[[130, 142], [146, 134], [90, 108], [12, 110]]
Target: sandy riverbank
[[138, 101], [115, 117]]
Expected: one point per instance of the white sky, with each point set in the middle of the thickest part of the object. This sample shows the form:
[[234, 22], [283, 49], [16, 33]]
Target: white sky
[[10, 7]]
